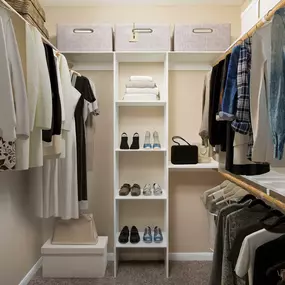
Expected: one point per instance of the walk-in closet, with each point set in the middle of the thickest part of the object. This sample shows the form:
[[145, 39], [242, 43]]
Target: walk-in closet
[[142, 142]]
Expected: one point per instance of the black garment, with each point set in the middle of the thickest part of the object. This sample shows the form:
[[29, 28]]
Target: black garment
[[83, 86], [242, 234], [217, 129], [241, 169], [56, 104], [267, 256]]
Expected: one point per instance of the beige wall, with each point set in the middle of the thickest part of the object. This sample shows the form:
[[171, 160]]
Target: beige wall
[[188, 220]]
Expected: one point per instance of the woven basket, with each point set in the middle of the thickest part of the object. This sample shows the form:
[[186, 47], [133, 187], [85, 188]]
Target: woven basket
[[29, 7], [40, 25]]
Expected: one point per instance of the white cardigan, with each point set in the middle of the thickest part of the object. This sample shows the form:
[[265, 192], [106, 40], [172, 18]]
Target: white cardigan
[[14, 111]]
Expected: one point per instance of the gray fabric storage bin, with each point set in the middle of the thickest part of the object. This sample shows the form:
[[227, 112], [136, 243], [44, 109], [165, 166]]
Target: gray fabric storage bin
[[202, 37], [159, 39], [85, 37]]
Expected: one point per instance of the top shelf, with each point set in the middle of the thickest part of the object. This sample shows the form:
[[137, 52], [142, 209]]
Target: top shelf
[[175, 57]]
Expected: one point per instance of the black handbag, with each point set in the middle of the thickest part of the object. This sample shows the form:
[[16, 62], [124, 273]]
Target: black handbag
[[183, 154]]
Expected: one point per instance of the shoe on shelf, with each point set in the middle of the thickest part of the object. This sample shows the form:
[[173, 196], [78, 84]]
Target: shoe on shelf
[[136, 141], [124, 141], [136, 190], [124, 235], [156, 142], [125, 190], [147, 237], [134, 237], [147, 190], [157, 235], [147, 143], [157, 191]]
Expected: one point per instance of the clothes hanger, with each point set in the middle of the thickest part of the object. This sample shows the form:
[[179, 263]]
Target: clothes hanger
[[257, 202], [247, 198]]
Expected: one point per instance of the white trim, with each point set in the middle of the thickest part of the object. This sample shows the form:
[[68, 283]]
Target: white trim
[[110, 256], [191, 256], [29, 276], [182, 256]]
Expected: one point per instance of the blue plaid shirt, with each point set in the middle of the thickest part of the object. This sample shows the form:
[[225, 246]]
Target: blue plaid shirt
[[242, 122]]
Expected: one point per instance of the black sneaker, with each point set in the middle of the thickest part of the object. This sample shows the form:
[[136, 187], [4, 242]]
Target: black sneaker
[[124, 141], [124, 235], [135, 237], [136, 141]]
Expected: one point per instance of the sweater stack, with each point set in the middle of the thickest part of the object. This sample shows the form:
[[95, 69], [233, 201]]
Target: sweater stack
[[141, 88]]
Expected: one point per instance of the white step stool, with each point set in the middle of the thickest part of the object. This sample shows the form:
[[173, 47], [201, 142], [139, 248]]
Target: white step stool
[[75, 261]]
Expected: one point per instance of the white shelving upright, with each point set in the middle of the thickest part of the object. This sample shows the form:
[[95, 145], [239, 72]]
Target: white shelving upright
[[160, 58]]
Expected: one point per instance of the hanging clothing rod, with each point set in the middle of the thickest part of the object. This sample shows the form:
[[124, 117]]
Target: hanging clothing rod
[[15, 12], [253, 190], [258, 25]]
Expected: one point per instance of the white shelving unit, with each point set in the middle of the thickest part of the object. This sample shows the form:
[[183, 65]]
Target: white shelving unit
[[143, 166], [135, 164]]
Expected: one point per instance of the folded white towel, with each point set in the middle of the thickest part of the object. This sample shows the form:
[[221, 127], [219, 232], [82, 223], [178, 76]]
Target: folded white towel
[[141, 78], [141, 97], [140, 84], [142, 91]]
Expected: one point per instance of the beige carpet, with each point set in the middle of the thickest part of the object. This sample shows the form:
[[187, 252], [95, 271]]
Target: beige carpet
[[142, 273]]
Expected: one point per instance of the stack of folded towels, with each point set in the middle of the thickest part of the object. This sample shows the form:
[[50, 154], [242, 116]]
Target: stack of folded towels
[[141, 88]]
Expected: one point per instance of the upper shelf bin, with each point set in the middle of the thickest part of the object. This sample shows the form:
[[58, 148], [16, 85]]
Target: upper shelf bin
[[141, 56]]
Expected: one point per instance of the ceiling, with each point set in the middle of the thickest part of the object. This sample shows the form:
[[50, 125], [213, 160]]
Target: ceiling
[[140, 2]]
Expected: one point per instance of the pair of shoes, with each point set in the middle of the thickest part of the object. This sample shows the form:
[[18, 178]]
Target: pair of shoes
[[156, 143], [125, 235], [154, 190], [124, 141], [126, 189], [157, 235]]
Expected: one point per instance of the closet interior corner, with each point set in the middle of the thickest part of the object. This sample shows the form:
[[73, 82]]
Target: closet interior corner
[[142, 143]]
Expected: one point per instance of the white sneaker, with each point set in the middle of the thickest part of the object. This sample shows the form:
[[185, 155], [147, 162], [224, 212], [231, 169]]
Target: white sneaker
[[147, 143], [157, 191], [156, 142]]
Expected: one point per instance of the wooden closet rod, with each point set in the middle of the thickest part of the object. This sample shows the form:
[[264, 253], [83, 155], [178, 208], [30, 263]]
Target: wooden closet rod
[[258, 25], [14, 11], [253, 190]]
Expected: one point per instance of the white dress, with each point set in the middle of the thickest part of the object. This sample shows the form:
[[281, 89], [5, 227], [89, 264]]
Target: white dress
[[60, 185]]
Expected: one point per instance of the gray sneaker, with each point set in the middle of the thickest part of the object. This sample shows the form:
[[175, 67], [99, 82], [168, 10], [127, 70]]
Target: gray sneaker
[[147, 143], [147, 190], [156, 142], [147, 237], [157, 191], [157, 235]]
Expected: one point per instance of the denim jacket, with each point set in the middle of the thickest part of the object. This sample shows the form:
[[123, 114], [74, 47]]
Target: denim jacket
[[229, 99], [277, 87]]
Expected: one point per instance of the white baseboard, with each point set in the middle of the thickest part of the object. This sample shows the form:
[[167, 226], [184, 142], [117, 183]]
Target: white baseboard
[[191, 256], [182, 256], [30, 275]]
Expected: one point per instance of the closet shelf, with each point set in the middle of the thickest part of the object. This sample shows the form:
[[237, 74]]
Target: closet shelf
[[141, 197], [87, 57], [206, 57], [141, 150], [137, 56], [142, 244], [211, 165], [140, 103]]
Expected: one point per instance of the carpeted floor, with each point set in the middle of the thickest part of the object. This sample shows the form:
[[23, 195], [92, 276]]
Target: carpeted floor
[[142, 273]]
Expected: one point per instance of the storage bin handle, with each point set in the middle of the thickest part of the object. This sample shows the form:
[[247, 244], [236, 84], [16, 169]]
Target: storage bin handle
[[202, 31], [142, 30], [83, 31]]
